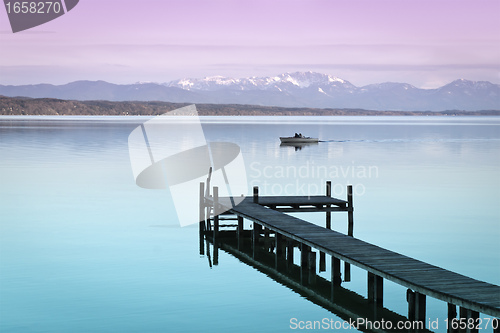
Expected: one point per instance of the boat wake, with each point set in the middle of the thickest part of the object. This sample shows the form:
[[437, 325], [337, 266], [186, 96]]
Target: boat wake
[[414, 140]]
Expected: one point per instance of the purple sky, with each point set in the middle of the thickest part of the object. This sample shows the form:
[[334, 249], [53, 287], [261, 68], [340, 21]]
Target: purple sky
[[424, 43]]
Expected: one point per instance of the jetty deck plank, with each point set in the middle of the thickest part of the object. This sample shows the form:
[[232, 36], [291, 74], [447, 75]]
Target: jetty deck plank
[[417, 275]]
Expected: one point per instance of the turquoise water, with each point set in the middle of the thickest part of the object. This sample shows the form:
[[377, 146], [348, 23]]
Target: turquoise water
[[83, 249]]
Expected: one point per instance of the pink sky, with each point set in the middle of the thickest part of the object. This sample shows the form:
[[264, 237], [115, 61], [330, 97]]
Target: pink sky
[[424, 43]]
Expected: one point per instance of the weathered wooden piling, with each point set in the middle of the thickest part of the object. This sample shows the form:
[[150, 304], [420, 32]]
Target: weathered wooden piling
[[216, 253], [469, 316], [375, 289], [304, 262], [312, 268], [336, 278], [255, 238], [350, 229], [289, 252], [329, 213], [239, 231], [256, 194], [416, 306], [350, 212], [216, 211], [202, 217], [451, 315], [322, 256], [278, 249]]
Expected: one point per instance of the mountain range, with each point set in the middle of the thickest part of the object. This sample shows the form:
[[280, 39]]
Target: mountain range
[[299, 89]]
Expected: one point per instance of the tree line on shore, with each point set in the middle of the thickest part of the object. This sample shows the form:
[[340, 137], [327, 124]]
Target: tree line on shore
[[52, 106]]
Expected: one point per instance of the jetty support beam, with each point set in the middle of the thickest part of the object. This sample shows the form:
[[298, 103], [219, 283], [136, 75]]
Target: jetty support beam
[[350, 212], [216, 212], [202, 218], [312, 268], [304, 261], [452, 315], [255, 238], [278, 248], [322, 256], [416, 306], [239, 232], [350, 230], [375, 289], [469, 316], [289, 253], [336, 277]]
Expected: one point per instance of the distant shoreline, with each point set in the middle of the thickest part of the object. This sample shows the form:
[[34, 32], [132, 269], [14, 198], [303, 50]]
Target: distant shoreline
[[12, 106]]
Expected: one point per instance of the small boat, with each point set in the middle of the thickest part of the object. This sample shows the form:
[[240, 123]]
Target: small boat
[[298, 138]]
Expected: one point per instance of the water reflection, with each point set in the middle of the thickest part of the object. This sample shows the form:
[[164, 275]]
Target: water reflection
[[298, 145], [348, 305]]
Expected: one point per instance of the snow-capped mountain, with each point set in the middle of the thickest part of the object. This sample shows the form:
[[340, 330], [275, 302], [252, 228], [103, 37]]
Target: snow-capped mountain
[[283, 82], [299, 89], [278, 83]]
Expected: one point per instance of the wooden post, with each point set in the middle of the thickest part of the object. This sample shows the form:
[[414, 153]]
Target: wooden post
[[462, 314], [350, 212], [208, 225], [375, 289], [475, 316], [256, 194], [416, 306], [410, 298], [255, 238], [202, 218], [347, 272], [350, 230], [239, 232], [322, 256], [202, 203], [468, 314], [312, 268], [216, 253], [420, 308], [452, 315], [216, 225], [278, 249], [202, 247], [208, 254], [328, 214], [216, 213], [304, 261], [322, 261], [336, 274], [336, 278], [289, 253]]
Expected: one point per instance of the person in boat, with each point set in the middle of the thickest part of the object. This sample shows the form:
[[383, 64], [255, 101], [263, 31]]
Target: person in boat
[[297, 135], [300, 135]]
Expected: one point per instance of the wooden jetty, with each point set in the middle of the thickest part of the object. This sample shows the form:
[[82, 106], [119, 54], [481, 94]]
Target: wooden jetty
[[271, 223]]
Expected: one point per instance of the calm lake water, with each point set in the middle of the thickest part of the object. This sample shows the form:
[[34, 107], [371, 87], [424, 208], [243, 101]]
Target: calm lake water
[[83, 249]]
